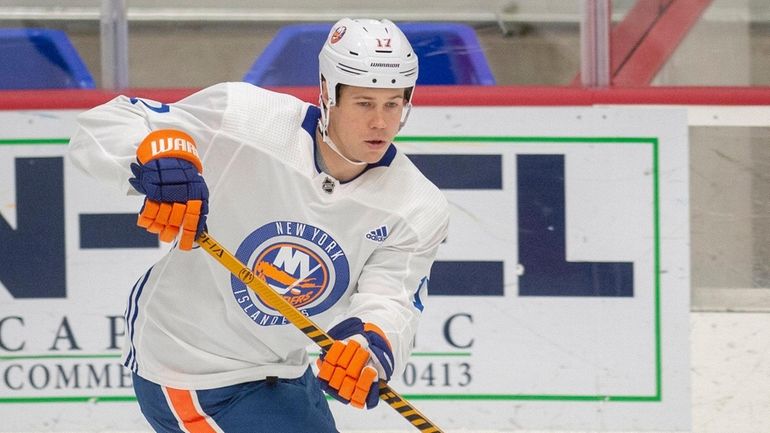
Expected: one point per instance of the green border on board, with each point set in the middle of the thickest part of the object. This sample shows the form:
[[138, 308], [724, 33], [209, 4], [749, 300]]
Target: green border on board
[[656, 397], [32, 141]]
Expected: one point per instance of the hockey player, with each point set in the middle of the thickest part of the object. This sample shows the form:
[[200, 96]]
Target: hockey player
[[316, 200]]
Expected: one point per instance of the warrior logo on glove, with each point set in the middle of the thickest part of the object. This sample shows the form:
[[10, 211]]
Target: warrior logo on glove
[[168, 143], [168, 172]]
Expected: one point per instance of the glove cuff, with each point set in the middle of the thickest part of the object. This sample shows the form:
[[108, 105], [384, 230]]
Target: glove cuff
[[168, 143], [371, 327]]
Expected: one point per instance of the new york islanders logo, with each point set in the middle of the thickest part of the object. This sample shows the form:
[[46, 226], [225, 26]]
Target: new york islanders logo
[[339, 32], [303, 263], [287, 268]]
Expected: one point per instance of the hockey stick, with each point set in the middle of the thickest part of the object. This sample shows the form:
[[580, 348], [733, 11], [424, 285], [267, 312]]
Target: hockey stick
[[318, 335]]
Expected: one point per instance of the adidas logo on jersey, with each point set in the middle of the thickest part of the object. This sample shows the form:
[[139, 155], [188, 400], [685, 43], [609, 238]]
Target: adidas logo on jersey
[[378, 235]]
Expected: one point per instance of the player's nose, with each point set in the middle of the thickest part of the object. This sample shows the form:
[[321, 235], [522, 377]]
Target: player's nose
[[378, 119]]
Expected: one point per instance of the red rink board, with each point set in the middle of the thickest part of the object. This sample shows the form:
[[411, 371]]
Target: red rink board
[[431, 96]]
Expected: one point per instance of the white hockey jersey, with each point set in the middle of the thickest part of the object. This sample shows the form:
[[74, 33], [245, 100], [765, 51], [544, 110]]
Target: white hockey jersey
[[334, 250]]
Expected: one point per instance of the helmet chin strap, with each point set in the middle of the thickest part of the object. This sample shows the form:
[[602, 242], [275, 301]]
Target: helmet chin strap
[[323, 125]]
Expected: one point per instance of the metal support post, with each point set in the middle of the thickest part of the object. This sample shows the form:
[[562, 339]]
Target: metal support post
[[114, 44], [595, 27]]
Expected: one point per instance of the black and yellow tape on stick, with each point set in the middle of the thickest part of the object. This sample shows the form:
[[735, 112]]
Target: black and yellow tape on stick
[[318, 335]]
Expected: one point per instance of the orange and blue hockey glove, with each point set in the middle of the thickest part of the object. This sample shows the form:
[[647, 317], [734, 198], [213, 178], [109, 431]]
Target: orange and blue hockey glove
[[168, 172], [351, 369]]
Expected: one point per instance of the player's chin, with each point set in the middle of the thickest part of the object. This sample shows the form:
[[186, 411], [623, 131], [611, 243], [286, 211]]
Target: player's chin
[[374, 151], [372, 157]]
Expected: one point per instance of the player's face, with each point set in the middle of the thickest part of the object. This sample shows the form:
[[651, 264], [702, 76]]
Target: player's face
[[365, 120]]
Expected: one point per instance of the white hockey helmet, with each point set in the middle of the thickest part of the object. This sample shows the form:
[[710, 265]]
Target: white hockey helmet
[[367, 53]]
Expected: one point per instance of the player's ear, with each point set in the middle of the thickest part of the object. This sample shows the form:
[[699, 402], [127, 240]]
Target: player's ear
[[324, 92]]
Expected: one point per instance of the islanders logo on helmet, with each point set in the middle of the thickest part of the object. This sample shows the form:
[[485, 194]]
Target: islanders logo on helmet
[[339, 32], [303, 263]]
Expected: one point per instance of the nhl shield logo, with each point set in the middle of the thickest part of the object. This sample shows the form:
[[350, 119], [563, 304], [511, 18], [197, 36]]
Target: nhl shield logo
[[328, 185]]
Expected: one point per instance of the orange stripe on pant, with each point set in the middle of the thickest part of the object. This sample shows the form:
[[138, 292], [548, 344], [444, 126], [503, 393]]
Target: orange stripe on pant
[[182, 403]]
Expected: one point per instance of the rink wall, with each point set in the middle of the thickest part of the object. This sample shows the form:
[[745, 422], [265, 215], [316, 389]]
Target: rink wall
[[439, 96], [576, 318]]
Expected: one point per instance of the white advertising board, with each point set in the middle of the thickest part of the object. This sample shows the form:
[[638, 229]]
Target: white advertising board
[[559, 300]]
